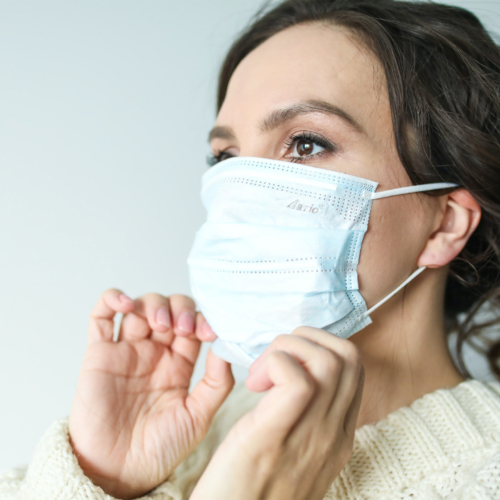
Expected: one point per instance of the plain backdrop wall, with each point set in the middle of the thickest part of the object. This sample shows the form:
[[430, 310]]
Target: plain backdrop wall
[[105, 108]]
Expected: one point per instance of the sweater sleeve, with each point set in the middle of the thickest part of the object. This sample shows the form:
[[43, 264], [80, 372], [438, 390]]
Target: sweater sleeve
[[54, 472]]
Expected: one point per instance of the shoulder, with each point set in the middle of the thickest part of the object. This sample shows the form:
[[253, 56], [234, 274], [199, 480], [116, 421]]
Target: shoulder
[[446, 444], [462, 425], [478, 403]]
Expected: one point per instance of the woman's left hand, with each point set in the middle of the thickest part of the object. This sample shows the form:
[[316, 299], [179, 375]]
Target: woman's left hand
[[300, 435]]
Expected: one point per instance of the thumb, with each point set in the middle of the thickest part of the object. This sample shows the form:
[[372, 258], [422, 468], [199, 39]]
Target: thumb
[[211, 391]]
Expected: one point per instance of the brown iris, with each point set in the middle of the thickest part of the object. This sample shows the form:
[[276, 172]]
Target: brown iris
[[304, 147]]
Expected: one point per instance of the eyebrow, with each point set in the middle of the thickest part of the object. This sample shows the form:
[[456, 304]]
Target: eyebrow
[[220, 132], [280, 116]]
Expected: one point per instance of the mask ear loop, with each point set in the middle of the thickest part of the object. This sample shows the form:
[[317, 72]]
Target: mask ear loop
[[394, 192], [387, 297], [413, 189]]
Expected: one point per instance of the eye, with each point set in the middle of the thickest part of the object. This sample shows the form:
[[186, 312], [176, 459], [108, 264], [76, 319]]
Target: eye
[[217, 158], [306, 145]]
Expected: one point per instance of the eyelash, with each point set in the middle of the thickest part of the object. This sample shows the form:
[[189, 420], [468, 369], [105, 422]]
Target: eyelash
[[328, 146], [214, 159]]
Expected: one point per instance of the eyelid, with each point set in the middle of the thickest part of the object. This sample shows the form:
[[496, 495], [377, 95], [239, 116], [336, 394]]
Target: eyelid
[[319, 139], [327, 145], [311, 136], [214, 158]]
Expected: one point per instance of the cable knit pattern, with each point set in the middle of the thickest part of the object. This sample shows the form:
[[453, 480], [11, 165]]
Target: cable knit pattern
[[445, 445]]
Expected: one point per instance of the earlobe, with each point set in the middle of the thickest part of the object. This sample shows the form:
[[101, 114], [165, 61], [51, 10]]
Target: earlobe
[[459, 220]]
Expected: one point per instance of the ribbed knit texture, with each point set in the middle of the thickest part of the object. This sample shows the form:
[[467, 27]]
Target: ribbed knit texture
[[445, 445]]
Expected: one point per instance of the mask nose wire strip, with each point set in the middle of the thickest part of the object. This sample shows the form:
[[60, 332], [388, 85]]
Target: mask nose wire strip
[[412, 189], [385, 299], [243, 174]]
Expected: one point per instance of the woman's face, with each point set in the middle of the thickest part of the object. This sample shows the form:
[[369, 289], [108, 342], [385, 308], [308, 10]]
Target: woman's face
[[312, 94]]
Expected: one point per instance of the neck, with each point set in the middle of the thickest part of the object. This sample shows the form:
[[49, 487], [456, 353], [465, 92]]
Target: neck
[[405, 351]]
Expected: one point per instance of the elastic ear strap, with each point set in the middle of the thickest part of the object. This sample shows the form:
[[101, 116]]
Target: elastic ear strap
[[413, 189], [394, 292]]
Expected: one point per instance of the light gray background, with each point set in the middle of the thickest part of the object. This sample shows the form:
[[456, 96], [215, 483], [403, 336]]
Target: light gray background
[[104, 112]]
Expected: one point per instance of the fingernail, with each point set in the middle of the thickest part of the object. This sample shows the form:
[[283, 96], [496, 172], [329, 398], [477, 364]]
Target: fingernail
[[206, 329], [163, 317], [186, 322], [124, 298]]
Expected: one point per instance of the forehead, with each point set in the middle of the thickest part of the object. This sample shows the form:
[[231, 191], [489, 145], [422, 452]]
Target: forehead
[[309, 61]]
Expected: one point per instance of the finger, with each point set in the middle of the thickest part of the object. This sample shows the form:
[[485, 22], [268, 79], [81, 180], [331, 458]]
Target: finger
[[183, 312], [343, 347], [351, 417], [188, 347], [304, 350], [349, 381], [101, 325], [211, 391], [185, 342], [351, 367], [322, 364], [203, 330], [316, 335], [285, 403], [133, 327], [151, 316]]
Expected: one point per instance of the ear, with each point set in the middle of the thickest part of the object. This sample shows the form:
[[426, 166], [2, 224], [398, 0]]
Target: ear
[[458, 221]]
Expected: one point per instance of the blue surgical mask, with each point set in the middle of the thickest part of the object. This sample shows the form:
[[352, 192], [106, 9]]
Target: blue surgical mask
[[279, 250]]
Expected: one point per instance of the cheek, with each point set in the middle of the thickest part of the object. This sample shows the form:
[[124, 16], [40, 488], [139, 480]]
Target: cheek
[[396, 235]]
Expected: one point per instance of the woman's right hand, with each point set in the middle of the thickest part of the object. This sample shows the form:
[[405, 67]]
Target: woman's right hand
[[133, 420]]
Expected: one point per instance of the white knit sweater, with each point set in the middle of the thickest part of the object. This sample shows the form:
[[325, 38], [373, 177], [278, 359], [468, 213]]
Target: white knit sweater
[[445, 445]]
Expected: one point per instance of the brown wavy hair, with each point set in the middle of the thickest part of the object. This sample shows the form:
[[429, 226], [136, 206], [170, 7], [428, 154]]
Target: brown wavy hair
[[443, 77]]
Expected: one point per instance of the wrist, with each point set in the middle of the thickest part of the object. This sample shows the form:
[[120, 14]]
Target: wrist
[[246, 481], [112, 486]]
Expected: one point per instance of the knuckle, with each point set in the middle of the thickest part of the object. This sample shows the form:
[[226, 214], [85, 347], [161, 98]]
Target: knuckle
[[179, 300], [304, 387], [110, 292], [329, 364], [301, 330], [278, 357], [352, 354], [280, 340], [154, 298]]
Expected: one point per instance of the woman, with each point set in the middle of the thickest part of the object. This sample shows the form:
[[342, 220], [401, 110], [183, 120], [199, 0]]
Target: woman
[[394, 93]]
